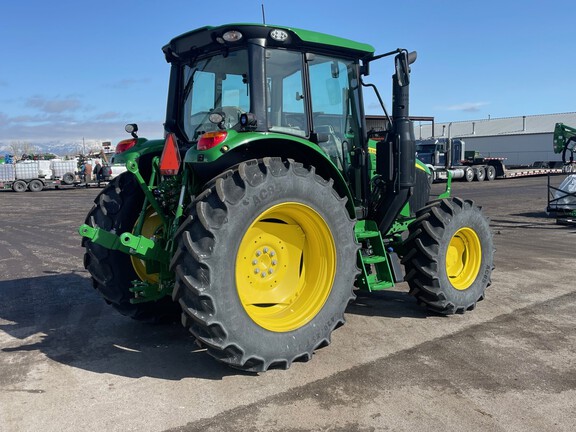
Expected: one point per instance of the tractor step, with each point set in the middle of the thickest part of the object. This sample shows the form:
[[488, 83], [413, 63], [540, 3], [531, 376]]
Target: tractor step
[[372, 258], [360, 235]]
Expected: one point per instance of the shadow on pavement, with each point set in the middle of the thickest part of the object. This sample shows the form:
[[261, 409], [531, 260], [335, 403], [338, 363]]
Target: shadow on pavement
[[61, 316], [386, 303]]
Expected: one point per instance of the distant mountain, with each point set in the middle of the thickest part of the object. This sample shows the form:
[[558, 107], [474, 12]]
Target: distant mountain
[[59, 148]]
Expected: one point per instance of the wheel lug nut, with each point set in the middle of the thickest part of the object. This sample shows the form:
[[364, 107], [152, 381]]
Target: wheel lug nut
[[274, 262], [270, 271], [266, 250], [254, 262], [256, 271], [272, 253], [258, 253], [263, 274]]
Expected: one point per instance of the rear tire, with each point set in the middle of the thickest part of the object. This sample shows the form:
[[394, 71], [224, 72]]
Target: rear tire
[[19, 186], [116, 209], [479, 174], [468, 174], [35, 186], [490, 173], [265, 264], [450, 258]]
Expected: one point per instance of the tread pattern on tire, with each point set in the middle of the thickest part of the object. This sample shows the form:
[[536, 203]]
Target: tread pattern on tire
[[197, 242], [423, 262], [116, 209]]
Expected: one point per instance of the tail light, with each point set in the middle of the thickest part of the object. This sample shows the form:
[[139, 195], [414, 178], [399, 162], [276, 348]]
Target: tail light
[[124, 145], [211, 139], [170, 159]]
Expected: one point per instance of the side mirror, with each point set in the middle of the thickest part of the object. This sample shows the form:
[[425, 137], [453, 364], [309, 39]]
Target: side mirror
[[402, 63]]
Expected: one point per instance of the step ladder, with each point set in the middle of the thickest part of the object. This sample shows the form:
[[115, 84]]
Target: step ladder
[[373, 259]]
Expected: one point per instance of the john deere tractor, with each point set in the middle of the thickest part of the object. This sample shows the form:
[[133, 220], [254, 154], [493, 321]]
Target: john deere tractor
[[268, 203], [565, 144]]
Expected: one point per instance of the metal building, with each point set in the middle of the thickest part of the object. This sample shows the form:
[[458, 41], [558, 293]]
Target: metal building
[[522, 140]]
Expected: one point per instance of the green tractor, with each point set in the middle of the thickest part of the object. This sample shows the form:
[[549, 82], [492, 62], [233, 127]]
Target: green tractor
[[564, 143], [269, 203]]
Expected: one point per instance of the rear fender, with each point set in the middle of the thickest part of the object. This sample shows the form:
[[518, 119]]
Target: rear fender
[[238, 147], [143, 147]]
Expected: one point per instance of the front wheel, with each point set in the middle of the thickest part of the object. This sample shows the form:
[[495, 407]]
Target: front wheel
[[265, 264], [450, 258], [116, 209]]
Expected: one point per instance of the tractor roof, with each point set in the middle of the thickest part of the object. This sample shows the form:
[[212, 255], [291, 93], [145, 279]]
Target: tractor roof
[[209, 39]]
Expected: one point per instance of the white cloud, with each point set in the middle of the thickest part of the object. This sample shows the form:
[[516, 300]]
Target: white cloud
[[60, 130], [467, 106], [130, 82], [54, 106]]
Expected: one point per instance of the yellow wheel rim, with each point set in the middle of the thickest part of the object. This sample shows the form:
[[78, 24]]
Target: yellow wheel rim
[[285, 267], [151, 227], [463, 258]]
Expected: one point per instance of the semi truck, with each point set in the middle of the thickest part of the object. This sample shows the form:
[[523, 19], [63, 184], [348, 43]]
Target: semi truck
[[445, 156]]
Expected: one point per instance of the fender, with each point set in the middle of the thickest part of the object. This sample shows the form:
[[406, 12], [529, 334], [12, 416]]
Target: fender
[[240, 146], [143, 147]]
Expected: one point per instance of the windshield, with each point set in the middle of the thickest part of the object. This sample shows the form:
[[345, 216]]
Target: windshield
[[426, 148], [215, 84]]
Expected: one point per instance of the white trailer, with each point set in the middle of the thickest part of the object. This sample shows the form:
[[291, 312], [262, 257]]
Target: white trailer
[[35, 175]]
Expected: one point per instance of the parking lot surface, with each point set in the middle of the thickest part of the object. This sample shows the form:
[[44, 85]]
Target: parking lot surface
[[69, 362]]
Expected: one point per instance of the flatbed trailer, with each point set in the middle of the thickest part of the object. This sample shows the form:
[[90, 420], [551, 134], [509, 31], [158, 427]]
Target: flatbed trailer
[[33, 185], [512, 173], [488, 169]]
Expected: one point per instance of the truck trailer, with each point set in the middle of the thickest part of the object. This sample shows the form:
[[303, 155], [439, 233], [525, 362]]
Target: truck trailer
[[36, 175], [446, 155]]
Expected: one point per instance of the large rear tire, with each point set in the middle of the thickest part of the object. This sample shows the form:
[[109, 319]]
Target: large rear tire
[[265, 264], [116, 209], [450, 258]]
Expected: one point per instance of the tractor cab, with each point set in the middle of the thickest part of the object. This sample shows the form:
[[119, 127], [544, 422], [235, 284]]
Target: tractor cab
[[254, 89]]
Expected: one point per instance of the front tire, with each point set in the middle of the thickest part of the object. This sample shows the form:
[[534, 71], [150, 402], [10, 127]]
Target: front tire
[[116, 209], [450, 258], [265, 264]]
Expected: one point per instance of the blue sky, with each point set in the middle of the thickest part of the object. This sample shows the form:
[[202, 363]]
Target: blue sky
[[74, 70]]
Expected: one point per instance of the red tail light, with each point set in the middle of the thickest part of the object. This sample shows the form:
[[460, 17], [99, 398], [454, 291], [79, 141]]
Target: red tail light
[[124, 145], [211, 139], [170, 159]]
